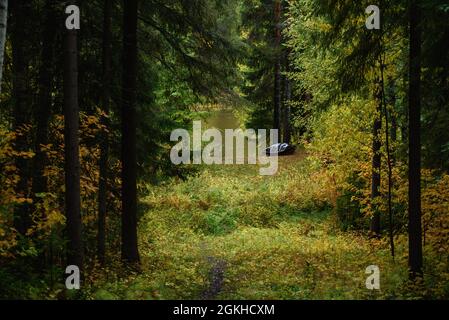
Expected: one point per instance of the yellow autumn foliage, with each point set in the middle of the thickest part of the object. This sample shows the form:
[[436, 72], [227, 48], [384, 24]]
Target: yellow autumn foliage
[[48, 210]]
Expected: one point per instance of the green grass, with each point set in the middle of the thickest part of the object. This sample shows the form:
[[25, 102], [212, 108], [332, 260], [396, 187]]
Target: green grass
[[275, 242]]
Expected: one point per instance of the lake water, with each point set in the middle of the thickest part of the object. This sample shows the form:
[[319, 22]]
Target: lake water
[[223, 119]]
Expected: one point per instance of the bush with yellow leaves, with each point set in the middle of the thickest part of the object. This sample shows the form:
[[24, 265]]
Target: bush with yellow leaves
[[45, 237], [9, 179]]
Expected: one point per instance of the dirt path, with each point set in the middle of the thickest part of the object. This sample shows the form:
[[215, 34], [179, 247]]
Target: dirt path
[[217, 269], [216, 278]]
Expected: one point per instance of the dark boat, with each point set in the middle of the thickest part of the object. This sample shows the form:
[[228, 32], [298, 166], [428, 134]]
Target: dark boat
[[281, 149]]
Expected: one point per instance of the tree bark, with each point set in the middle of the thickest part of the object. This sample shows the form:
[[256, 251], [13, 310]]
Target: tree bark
[[414, 223], [43, 110], [3, 24], [376, 163], [75, 254], [277, 66], [106, 97], [287, 135], [389, 159], [20, 12], [130, 253], [394, 126]]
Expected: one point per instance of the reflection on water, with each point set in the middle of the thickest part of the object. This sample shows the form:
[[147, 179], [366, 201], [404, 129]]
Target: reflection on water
[[223, 119]]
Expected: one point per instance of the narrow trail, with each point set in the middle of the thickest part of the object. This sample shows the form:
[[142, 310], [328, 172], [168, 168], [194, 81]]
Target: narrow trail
[[216, 275], [216, 278]]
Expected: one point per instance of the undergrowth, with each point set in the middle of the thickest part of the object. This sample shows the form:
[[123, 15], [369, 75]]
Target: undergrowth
[[276, 239]]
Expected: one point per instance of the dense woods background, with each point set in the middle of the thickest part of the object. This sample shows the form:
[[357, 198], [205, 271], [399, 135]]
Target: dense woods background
[[86, 178]]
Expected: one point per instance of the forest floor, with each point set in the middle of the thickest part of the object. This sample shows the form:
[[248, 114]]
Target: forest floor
[[229, 233]]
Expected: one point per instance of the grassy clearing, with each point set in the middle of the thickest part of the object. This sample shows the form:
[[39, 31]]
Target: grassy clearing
[[275, 240]]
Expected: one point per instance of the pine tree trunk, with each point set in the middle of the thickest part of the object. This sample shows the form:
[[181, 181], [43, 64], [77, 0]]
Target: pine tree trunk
[[389, 159], [414, 227], [102, 192], [72, 162], [3, 24], [277, 66], [20, 12], [43, 110], [394, 126], [376, 163], [130, 252], [286, 105]]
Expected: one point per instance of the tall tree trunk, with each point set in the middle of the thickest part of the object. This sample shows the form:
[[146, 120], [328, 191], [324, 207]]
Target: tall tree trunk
[[106, 97], [394, 123], [43, 110], [3, 23], [376, 162], [277, 66], [130, 253], [72, 162], [389, 159], [286, 105], [20, 12], [414, 223]]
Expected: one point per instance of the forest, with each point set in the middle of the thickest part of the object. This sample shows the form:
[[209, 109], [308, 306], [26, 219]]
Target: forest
[[92, 206]]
